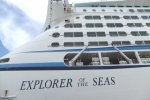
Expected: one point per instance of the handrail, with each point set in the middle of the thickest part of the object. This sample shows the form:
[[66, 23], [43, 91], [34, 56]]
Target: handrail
[[71, 62], [128, 59]]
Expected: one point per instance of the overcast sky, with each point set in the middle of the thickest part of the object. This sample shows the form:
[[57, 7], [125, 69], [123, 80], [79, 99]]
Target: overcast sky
[[21, 20]]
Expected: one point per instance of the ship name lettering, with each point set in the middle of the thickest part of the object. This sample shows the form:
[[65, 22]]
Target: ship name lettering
[[41, 84], [101, 81]]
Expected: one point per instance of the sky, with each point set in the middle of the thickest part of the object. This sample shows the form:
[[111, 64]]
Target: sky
[[22, 20]]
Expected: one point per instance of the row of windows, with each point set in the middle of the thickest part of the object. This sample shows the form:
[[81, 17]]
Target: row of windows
[[115, 17], [129, 6], [99, 43], [102, 34], [121, 10], [139, 10], [98, 25]]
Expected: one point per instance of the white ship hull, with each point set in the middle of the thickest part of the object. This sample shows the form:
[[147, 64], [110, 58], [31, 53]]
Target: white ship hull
[[112, 84]]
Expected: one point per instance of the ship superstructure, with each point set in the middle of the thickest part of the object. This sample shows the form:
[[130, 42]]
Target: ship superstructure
[[108, 43]]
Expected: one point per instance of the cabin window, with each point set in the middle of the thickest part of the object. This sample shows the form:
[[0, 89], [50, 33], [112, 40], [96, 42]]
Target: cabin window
[[103, 43], [94, 10], [69, 26], [148, 24], [147, 10], [68, 44], [135, 33], [68, 34], [55, 35], [122, 33], [77, 17], [118, 24], [78, 34], [78, 44], [55, 44], [134, 17], [96, 43], [107, 17], [118, 43], [5, 60], [91, 34], [145, 17], [110, 25], [85, 59], [139, 42], [77, 25], [96, 17], [143, 33], [116, 58], [115, 10], [126, 17], [121, 10], [101, 34], [89, 25], [103, 10], [73, 44], [88, 17], [93, 44], [113, 34], [115, 17], [146, 42], [140, 33], [94, 34], [84, 10], [98, 25], [130, 25], [145, 56], [138, 24], [140, 10], [131, 10]]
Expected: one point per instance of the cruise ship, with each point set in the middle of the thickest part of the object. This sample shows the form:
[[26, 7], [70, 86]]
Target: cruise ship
[[86, 51]]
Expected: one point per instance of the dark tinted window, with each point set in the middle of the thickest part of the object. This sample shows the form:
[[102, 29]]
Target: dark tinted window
[[68, 44], [77, 25], [56, 35], [134, 17], [101, 34], [113, 33], [115, 17], [118, 24], [68, 26], [91, 34], [88, 17], [5, 60], [135, 33], [89, 25], [126, 17], [110, 25], [55, 44], [96, 17], [98, 25], [130, 25], [93, 44], [78, 34], [79, 44], [107, 17], [68, 34], [148, 24]]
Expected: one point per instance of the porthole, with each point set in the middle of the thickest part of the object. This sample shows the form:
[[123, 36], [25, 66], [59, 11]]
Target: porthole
[[55, 44], [56, 35]]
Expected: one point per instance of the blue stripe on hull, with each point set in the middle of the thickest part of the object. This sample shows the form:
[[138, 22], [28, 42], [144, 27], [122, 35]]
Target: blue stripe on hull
[[145, 47], [60, 66]]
